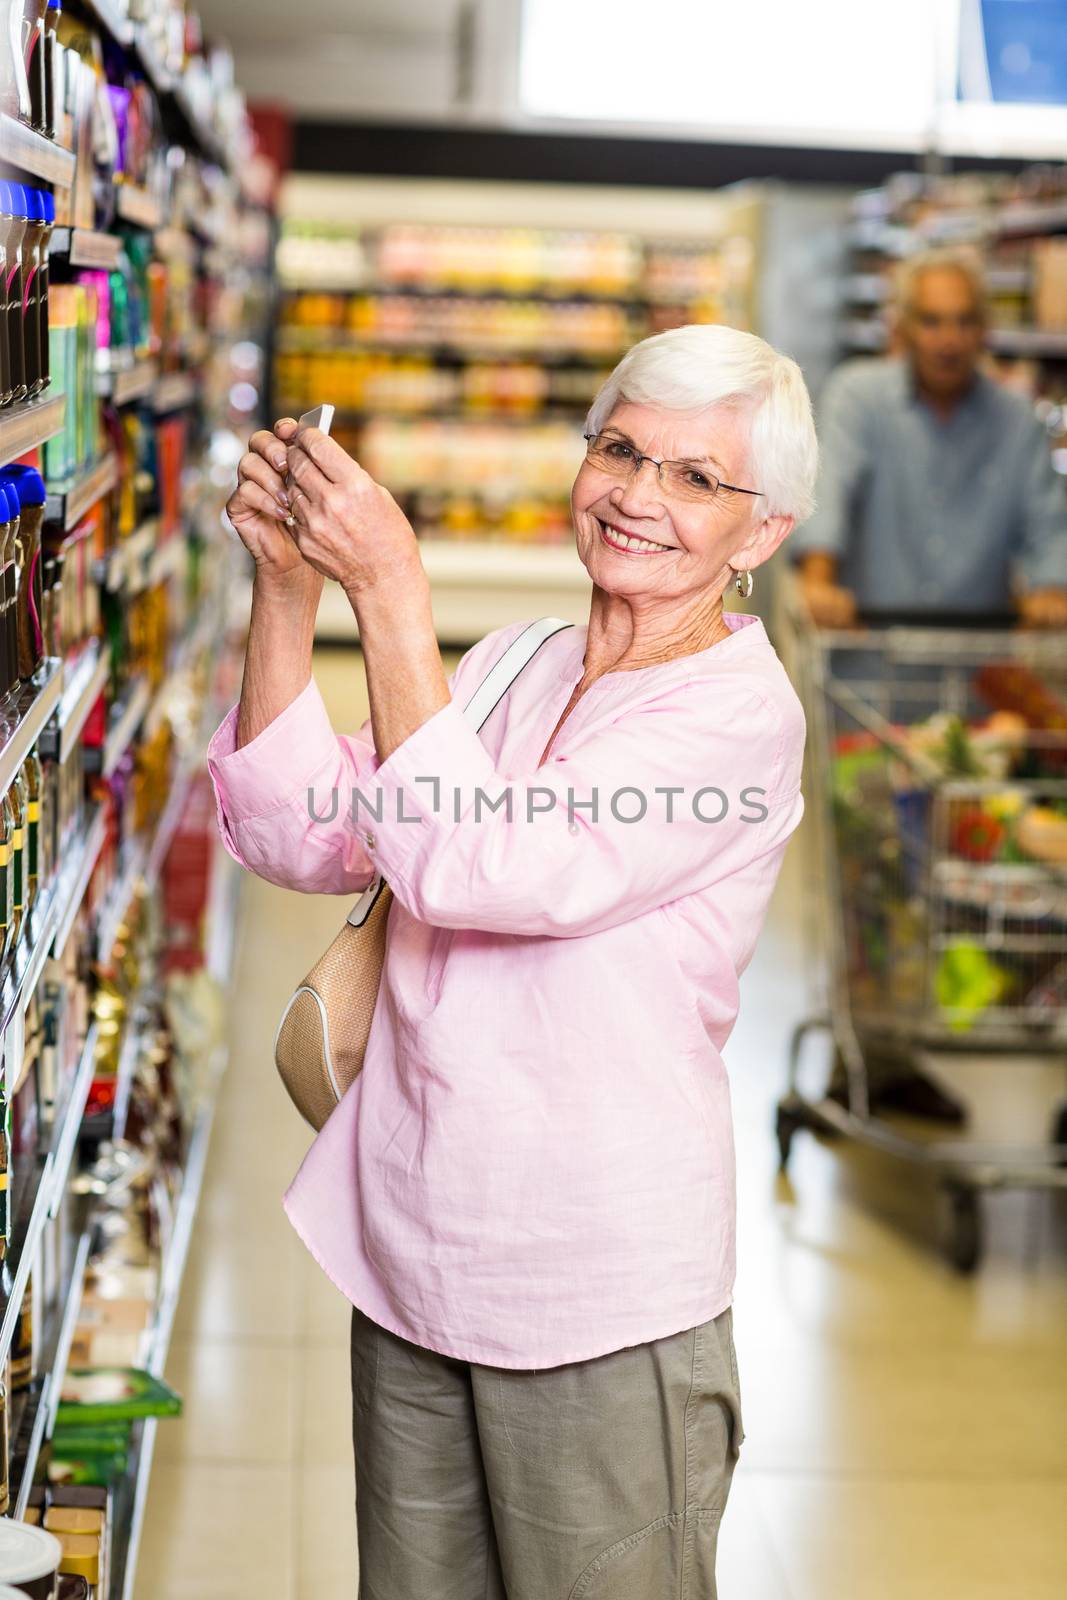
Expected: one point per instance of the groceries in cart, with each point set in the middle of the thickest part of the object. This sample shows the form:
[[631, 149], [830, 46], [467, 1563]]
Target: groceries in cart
[[952, 849]]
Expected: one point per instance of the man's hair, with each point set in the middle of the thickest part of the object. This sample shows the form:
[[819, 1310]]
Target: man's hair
[[947, 258], [702, 365]]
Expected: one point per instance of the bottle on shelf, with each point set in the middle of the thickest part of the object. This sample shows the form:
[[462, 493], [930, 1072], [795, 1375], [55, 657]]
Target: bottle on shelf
[[53, 63], [29, 578], [7, 226], [5, 1177], [17, 796], [37, 867], [34, 34], [33, 242], [13, 289], [9, 526], [7, 883], [5, 1446], [13, 80]]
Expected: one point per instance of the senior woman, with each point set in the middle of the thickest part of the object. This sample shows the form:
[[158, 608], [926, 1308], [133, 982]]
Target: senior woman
[[528, 1193]]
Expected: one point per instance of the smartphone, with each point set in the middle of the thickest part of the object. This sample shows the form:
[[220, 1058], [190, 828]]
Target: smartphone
[[321, 418]]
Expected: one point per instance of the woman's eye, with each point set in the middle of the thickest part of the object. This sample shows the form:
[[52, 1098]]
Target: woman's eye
[[618, 451], [699, 480]]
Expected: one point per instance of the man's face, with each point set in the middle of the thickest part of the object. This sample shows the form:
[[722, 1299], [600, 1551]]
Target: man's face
[[942, 331]]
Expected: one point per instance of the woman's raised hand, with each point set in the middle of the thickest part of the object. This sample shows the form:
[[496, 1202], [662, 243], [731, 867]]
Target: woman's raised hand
[[259, 506], [347, 527]]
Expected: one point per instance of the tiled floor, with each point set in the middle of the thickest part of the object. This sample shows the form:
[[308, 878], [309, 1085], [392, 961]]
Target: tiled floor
[[906, 1429]]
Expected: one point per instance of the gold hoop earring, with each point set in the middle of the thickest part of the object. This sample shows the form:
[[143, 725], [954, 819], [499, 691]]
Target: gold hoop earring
[[743, 584]]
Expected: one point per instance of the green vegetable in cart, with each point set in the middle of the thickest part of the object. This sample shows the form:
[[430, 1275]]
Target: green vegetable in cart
[[968, 982], [114, 1394]]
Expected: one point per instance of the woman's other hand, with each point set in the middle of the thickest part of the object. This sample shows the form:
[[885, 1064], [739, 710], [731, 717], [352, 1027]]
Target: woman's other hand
[[258, 509], [347, 526]]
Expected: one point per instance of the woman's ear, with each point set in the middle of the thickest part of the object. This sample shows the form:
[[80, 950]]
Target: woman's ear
[[770, 533]]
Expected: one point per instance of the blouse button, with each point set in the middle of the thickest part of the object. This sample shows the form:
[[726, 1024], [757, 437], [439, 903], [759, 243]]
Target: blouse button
[[369, 840]]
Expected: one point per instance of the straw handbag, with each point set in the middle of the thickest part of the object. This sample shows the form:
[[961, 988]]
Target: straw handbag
[[321, 1039]]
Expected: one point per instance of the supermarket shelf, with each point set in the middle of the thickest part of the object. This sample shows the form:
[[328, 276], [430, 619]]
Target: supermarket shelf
[[51, 1187], [26, 425], [138, 206], [865, 288], [68, 506], [123, 565], [860, 335], [83, 247], [131, 384], [124, 1074], [1047, 218], [1009, 280], [108, 15], [124, 1555], [167, 559], [477, 586], [167, 828], [119, 738], [55, 1353], [82, 688], [300, 342], [23, 719], [24, 971], [174, 390], [542, 294], [33, 154], [118, 902], [155, 69], [74, 880], [1028, 342], [554, 411]]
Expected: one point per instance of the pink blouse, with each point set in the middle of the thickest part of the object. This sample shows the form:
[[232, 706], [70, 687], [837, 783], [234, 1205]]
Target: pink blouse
[[536, 1164]]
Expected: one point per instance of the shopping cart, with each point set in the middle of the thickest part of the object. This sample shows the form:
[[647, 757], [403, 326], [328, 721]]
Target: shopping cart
[[937, 798]]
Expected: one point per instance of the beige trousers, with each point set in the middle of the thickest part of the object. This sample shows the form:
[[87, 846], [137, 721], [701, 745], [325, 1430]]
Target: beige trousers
[[598, 1480]]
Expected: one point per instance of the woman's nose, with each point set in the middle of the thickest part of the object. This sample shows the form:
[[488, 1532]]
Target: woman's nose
[[641, 495]]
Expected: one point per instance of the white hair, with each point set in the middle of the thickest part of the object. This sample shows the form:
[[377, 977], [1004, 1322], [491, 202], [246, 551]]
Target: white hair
[[691, 368]]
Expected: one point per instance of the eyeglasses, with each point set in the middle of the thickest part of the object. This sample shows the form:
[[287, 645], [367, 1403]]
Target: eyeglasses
[[683, 480]]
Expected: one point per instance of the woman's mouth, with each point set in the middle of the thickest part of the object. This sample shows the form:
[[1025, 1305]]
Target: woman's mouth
[[629, 542]]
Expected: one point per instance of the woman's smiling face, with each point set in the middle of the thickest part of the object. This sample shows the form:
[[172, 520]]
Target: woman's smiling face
[[685, 547]]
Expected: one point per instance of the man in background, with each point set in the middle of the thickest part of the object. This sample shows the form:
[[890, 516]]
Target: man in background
[[937, 498]]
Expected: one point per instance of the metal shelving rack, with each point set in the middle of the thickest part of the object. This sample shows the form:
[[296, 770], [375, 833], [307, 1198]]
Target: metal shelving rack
[[52, 711]]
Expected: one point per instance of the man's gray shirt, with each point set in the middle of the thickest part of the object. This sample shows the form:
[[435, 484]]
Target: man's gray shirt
[[932, 515]]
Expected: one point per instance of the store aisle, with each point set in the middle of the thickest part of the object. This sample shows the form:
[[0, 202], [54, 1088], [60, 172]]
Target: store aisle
[[904, 1438]]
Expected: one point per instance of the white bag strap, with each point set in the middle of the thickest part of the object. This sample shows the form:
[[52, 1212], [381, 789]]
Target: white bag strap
[[492, 689]]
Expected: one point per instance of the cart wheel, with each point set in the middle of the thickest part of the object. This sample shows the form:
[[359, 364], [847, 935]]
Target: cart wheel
[[965, 1238], [786, 1124]]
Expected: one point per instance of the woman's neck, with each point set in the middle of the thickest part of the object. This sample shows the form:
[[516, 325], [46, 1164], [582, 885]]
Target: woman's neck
[[620, 641]]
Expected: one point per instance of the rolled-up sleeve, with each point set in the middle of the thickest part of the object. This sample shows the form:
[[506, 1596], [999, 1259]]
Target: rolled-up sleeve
[[284, 799], [671, 798], [1042, 556]]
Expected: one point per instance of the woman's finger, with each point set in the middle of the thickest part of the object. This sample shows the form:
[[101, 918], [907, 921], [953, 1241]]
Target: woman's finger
[[271, 449], [306, 475], [250, 498], [255, 469], [332, 460]]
